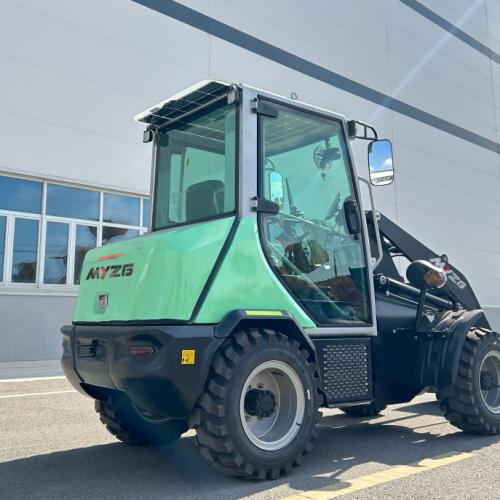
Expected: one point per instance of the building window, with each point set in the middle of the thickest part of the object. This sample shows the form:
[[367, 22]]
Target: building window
[[20, 195], [25, 250], [121, 209], [145, 213], [3, 227], [74, 203], [55, 270], [113, 234], [47, 228], [86, 239]]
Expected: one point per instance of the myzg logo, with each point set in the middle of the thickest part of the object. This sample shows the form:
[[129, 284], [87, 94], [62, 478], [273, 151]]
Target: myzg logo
[[102, 272]]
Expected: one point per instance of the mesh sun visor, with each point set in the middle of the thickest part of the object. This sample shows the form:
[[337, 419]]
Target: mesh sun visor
[[290, 131], [183, 102]]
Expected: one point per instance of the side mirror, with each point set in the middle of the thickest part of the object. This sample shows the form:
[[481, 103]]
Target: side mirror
[[276, 188], [380, 162], [422, 274]]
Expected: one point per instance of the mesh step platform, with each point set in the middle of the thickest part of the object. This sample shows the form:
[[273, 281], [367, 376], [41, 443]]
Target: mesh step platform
[[346, 369]]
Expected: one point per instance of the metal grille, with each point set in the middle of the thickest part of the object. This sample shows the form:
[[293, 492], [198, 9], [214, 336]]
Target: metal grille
[[346, 372]]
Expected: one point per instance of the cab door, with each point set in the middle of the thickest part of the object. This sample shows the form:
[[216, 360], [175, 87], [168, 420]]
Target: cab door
[[315, 243]]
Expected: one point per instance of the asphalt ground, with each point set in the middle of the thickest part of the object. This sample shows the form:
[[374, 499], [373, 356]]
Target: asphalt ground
[[52, 445]]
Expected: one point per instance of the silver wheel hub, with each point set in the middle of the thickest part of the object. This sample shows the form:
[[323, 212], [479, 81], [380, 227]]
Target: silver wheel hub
[[272, 405], [489, 381]]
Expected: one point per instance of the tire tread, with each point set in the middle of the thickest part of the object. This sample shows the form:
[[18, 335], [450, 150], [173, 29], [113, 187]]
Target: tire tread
[[212, 437], [458, 402]]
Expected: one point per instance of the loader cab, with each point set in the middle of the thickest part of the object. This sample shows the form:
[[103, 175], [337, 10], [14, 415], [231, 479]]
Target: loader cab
[[251, 303], [225, 150]]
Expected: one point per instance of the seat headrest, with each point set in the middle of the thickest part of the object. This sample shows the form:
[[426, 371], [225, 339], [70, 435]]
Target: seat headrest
[[204, 199]]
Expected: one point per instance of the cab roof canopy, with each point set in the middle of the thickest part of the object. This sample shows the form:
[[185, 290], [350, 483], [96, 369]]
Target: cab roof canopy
[[199, 95]]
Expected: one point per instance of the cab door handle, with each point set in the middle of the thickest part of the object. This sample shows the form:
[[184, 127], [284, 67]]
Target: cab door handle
[[352, 218]]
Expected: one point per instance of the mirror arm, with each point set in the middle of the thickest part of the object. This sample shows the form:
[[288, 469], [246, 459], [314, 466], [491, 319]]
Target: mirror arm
[[353, 134]]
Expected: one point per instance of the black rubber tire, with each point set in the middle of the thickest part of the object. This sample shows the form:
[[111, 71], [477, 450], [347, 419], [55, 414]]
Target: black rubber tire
[[461, 403], [126, 423], [219, 433], [370, 410]]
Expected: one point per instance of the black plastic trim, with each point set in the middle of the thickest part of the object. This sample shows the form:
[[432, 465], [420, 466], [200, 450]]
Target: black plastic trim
[[161, 382], [134, 322], [286, 324], [462, 326]]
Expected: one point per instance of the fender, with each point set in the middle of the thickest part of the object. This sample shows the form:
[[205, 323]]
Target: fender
[[278, 320], [456, 324]]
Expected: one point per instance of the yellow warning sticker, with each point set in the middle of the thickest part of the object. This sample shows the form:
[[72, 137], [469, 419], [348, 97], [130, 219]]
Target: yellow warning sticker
[[188, 357]]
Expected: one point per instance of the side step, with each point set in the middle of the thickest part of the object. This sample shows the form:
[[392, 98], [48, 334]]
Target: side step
[[346, 370]]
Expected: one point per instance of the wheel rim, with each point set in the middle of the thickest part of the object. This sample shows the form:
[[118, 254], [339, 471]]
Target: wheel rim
[[272, 405], [489, 381]]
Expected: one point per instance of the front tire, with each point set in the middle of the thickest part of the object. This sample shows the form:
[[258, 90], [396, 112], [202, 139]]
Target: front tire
[[133, 426], [473, 403], [257, 417]]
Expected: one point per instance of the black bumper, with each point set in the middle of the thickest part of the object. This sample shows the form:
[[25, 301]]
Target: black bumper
[[96, 359]]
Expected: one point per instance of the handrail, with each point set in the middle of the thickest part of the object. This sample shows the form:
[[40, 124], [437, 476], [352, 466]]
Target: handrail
[[375, 223]]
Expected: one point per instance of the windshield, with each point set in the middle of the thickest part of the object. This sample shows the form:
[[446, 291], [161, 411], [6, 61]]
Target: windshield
[[196, 168]]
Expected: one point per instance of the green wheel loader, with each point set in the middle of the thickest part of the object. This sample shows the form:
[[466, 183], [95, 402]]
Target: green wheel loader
[[265, 291]]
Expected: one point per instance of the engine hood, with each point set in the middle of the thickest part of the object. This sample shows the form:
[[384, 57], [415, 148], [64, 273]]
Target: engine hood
[[157, 276]]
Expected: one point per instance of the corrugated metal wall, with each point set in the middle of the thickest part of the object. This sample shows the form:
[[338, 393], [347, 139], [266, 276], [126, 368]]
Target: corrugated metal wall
[[426, 73]]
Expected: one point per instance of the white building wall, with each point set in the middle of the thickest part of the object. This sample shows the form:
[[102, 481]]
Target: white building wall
[[74, 73]]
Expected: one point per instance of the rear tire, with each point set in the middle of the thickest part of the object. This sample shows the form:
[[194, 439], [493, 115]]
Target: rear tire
[[257, 417], [135, 427], [370, 410], [473, 403]]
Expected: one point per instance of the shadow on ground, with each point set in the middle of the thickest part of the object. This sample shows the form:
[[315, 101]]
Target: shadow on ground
[[119, 471]]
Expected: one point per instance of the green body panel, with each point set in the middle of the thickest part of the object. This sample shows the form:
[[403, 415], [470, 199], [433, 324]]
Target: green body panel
[[171, 268], [245, 281]]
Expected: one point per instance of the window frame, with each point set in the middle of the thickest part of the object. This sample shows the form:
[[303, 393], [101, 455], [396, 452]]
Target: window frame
[[8, 286], [4, 269]]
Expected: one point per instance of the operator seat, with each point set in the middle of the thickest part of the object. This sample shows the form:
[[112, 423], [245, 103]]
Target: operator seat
[[204, 199]]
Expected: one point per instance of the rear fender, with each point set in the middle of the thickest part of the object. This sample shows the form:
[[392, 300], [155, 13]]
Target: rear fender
[[280, 321]]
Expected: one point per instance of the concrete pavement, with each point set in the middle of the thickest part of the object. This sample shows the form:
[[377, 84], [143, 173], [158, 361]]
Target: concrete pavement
[[28, 369], [53, 445]]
